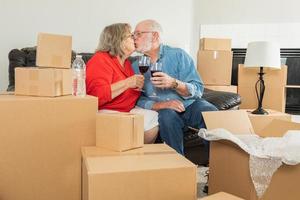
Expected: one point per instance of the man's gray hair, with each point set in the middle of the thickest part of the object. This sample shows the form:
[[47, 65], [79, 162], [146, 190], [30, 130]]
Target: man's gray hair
[[155, 26]]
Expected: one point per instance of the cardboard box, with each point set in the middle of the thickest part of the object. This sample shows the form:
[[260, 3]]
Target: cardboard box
[[149, 176], [119, 131], [48, 82], [54, 50], [221, 196], [222, 88], [274, 98], [40, 145], [259, 122], [215, 67], [215, 44], [275, 92], [229, 165]]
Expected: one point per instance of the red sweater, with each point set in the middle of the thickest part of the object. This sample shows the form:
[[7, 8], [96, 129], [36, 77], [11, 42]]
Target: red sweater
[[102, 70]]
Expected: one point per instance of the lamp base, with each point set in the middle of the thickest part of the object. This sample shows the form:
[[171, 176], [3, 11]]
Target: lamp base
[[260, 111]]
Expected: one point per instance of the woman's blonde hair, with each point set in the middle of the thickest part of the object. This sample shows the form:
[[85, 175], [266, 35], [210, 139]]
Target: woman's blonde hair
[[112, 37]]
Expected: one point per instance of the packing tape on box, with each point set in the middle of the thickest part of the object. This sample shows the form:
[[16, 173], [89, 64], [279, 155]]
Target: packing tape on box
[[134, 140], [58, 77], [215, 55], [33, 75]]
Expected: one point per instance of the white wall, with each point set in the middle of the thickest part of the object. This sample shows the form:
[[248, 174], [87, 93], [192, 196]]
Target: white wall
[[247, 11], [20, 21]]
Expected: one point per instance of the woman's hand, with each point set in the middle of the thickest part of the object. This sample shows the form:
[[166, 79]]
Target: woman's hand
[[136, 81]]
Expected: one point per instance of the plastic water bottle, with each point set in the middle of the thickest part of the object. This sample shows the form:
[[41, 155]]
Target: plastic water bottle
[[78, 70]]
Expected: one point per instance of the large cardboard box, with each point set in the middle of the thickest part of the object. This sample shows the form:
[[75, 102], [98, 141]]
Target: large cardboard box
[[215, 67], [119, 131], [147, 174], [215, 44], [221, 196], [229, 165], [40, 145], [54, 50], [275, 92], [48, 82], [222, 88]]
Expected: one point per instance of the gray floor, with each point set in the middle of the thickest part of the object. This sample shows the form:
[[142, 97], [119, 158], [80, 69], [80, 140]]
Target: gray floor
[[201, 180]]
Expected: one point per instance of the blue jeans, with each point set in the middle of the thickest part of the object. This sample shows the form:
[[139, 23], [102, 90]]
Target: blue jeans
[[172, 124]]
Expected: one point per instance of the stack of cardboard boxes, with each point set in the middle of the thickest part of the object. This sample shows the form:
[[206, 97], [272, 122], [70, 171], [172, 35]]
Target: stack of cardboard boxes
[[52, 77], [122, 167], [214, 64], [41, 137]]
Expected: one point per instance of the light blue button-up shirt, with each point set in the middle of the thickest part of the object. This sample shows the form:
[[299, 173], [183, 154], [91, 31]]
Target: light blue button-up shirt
[[177, 64]]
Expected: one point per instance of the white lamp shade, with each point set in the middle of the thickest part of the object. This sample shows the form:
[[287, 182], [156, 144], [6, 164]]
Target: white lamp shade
[[263, 54]]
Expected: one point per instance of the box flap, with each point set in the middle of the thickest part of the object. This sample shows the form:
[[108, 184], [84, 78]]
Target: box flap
[[130, 163], [147, 149], [278, 128], [222, 196], [235, 121]]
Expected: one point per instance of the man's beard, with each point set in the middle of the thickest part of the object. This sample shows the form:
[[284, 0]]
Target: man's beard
[[146, 46]]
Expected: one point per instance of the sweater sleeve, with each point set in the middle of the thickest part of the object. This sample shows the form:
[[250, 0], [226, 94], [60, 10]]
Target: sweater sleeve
[[98, 80]]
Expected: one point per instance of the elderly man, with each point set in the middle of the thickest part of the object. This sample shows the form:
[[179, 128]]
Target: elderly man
[[178, 87]]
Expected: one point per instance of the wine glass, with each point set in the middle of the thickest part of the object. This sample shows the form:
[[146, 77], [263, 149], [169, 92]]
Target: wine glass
[[144, 64], [155, 67]]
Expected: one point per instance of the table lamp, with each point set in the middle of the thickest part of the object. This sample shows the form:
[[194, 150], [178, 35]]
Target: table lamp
[[262, 54]]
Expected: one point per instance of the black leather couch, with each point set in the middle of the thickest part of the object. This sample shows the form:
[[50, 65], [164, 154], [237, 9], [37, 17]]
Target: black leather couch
[[193, 144]]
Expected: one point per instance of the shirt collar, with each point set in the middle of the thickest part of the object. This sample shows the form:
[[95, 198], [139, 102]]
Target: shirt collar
[[161, 51]]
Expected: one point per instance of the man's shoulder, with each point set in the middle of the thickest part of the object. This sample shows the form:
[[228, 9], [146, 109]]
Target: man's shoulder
[[174, 51]]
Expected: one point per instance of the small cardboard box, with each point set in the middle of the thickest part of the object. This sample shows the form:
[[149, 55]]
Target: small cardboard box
[[54, 50], [229, 165], [40, 145], [119, 131], [215, 44], [215, 67], [221, 196], [222, 88], [143, 174], [48, 82]]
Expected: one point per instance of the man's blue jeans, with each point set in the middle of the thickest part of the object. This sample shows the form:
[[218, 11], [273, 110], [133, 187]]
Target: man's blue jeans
[[172, 124]]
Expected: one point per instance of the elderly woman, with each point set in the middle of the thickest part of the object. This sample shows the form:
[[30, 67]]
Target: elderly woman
[[110, 77]]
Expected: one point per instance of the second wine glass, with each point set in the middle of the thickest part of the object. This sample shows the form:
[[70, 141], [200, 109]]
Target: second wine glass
[[155, 67]]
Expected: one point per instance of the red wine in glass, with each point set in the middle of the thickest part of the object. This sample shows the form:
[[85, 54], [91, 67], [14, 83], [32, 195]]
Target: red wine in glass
[[153, 71], [143, 69]]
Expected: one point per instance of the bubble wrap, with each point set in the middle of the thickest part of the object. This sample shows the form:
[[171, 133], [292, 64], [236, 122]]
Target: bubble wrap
[[266, 154]]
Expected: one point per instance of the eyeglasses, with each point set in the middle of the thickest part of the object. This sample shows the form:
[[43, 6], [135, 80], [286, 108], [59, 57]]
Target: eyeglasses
[[139, 34]]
